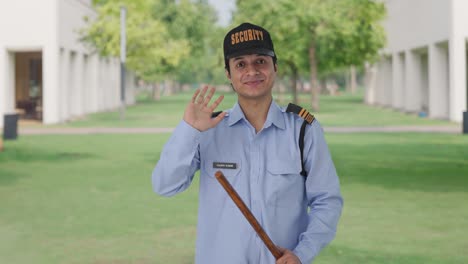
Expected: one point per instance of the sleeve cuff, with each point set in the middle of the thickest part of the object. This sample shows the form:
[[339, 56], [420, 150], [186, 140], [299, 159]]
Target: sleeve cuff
[[186, 132], [303, 254]]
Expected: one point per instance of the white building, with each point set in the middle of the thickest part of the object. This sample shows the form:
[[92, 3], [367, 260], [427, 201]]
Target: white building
[[46, 73], [424, 66]]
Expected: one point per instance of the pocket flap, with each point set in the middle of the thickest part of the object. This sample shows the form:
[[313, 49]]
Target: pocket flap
[[284, 166]]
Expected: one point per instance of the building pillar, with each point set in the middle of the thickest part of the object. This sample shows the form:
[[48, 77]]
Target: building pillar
[[102, 87], [72, 84], [457, 61], [78, 72], [370, 83], [387, 86], [438, 82], [51, 84], [3, 82], [398, 80], [64, 75], [7, 86], [412, 82], [86, 91], [115, 85], [424, 81], [93, 66], [457, 77], [379, 84], [105, 84]]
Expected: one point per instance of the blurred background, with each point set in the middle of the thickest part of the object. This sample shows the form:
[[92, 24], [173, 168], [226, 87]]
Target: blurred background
[[90, 91]]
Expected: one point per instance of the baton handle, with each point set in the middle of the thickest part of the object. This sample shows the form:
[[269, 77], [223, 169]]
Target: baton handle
[[248, 214]]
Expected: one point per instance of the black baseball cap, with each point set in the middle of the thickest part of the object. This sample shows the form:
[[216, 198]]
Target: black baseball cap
[[248, 39]]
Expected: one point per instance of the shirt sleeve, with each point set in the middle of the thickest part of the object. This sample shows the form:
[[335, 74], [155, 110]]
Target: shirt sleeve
[[179, 161], [323, 194]]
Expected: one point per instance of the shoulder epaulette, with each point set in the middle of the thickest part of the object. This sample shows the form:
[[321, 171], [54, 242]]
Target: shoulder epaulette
[[308, 119], [302, 112]]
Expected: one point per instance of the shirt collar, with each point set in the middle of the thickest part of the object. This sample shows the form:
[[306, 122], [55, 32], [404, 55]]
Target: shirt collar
[[274, 116], [235, 115]]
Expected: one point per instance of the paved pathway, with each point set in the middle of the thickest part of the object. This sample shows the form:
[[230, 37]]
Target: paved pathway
[[147, 130]]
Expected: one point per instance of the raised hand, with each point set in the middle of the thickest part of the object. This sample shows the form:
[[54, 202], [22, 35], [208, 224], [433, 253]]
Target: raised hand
[[198, 113]]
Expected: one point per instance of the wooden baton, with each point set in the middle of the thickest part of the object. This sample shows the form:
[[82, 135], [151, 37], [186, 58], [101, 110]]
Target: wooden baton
[[248, 214]]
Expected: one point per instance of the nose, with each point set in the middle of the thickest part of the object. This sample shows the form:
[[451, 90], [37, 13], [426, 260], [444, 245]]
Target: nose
[[252, 69]]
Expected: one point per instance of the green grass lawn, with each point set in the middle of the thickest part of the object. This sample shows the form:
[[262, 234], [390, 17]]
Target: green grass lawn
[[88, 198], [343, 110]]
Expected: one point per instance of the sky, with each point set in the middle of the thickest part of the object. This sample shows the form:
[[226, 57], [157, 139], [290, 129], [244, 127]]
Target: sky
[[224, 8]]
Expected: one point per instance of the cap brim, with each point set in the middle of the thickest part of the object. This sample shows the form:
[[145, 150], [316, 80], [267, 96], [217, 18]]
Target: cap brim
[[251, 51]]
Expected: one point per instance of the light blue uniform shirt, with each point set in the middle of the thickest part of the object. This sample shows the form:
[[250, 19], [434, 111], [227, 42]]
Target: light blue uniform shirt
[[296, 213]]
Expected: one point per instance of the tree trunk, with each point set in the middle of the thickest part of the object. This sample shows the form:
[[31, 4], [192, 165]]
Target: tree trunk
[[156, 93], [313, 78], [281, 88], [294, 86], [301, 85], [168, 87], [294, 77], [322, 84], [177, 87], [348, 81], [353, 80]]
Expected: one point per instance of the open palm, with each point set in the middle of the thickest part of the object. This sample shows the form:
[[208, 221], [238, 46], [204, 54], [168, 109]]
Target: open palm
[[198, 113]]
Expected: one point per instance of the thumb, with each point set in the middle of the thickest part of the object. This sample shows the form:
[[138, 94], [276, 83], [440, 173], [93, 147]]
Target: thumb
[[282, 258], [215, 121]]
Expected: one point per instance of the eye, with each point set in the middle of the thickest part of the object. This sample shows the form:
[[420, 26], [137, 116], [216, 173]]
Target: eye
[[240, 65], [261, 61]]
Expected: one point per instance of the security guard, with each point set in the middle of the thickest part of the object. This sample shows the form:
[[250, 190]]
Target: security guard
[[255, 145]]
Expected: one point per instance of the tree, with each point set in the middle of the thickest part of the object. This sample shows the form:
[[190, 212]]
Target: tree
[[167, 39], [194, 22], [150, 49], [329, 34]]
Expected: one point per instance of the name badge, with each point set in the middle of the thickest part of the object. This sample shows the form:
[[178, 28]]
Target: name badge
[[224, 165]]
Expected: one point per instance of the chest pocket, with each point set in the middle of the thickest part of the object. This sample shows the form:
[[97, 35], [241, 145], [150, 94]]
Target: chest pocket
[[285, 186], [210, 189]]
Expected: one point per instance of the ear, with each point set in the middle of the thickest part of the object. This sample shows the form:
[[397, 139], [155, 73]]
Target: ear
[[275, 66], [228, 75]]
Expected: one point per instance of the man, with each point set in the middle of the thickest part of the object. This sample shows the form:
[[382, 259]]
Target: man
[[255, 145]]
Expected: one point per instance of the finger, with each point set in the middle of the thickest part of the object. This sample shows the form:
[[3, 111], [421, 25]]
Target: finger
[[195, 94], [284, 257], [216, 103], [281, 249], [209, 96], [218, 119], [201, 96], [281, 260]]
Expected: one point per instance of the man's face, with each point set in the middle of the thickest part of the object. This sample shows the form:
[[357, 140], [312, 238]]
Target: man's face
[[252, 76]]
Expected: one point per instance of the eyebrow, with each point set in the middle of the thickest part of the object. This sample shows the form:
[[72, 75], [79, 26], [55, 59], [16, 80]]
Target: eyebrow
[[242, 57]]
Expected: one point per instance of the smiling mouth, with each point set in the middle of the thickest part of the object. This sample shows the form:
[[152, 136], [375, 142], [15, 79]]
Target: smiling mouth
[[256, 82]]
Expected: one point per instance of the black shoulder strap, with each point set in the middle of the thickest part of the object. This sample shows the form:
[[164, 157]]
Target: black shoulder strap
[[308, 119]]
